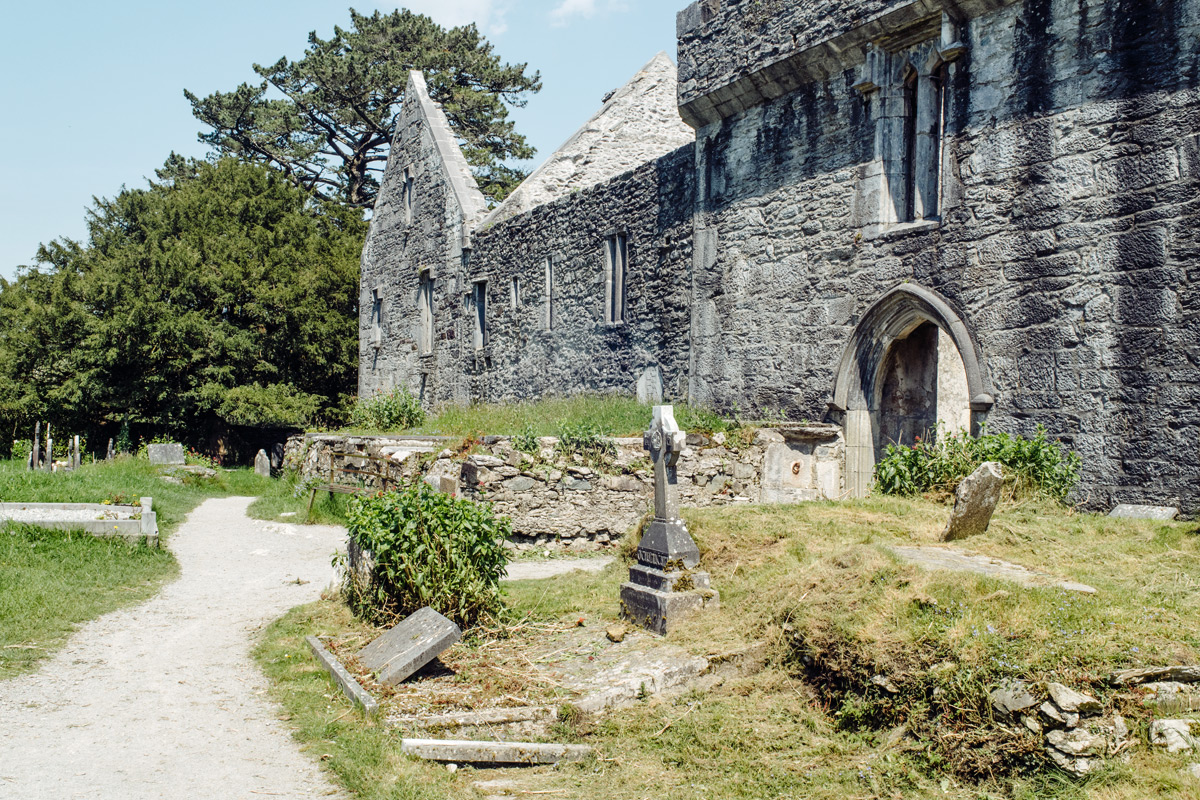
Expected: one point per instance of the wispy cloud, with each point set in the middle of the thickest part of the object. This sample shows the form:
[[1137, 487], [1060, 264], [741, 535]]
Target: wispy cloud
[[568, 10], [487, 14]]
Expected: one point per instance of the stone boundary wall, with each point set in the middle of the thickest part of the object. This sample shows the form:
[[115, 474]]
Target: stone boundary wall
[[555, 498]]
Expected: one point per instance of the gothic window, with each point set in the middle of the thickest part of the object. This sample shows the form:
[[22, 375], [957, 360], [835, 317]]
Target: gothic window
[[616, 256], [407, 193], [904, 80], [479, 301], [548, 302], [425, 313], [376, 318]]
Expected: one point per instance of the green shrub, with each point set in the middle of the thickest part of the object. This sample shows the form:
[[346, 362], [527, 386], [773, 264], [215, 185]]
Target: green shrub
[[1035, 466], [394, 410], [428, 549], [585, 440], [527, 441]]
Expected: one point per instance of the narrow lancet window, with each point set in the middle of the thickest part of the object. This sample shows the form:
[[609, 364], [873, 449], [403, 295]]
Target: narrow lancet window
[[616, 259]]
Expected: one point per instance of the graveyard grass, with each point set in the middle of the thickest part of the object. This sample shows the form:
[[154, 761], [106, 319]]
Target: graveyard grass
[[816, 581], [52, 581]]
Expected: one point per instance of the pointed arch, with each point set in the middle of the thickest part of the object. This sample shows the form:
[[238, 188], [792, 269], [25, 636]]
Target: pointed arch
[[858, 384]]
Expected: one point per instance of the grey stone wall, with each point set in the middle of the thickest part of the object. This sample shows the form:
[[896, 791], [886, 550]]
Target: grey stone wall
[[1068, 243], [555, 498], [581, 352], [763, 274], [445, 205]]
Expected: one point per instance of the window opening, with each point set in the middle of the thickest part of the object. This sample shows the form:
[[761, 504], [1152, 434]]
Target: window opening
[[479, 300], [425, 309], [548, 304], [616, 258], [514, 292]]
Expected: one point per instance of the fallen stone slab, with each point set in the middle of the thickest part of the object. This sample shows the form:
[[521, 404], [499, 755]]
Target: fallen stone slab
[[471, 719], [975, 501], [408, 646], [955, 560], [1180, 674], [1131, 511], [468, 752], [350, 687]]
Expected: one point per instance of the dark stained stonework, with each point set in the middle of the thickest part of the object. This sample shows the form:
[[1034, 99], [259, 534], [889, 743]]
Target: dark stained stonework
[[762, 272]]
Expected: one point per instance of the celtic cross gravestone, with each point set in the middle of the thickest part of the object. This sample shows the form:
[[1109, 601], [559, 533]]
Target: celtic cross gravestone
[[664, 585]]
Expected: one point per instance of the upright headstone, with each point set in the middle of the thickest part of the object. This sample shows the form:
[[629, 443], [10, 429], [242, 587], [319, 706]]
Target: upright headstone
[[262, 464], [410, 645], [664, 586], [76, 461], [110, 453], [975, 500], [170, 453], [49, 462], [35, 458]]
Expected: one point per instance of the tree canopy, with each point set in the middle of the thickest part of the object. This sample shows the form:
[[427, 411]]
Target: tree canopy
[[221, 294], [331, 124]]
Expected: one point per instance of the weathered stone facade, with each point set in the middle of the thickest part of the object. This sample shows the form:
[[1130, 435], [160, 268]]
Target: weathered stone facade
[[875, 187]]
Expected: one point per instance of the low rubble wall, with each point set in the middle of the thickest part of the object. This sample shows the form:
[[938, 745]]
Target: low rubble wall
[[557, 498]]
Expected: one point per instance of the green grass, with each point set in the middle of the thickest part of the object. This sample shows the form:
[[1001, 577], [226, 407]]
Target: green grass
[[51, 581], [609, 415], [284, 500], [817, 584]]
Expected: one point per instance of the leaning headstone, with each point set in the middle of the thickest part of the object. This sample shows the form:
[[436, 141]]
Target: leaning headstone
[[408, 646], [975, 500], [664, 586], [262, 464], [165, 454], [1157, 513]]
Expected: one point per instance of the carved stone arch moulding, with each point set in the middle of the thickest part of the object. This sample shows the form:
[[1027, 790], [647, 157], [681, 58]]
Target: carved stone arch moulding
[[859, 383], [893, 316]]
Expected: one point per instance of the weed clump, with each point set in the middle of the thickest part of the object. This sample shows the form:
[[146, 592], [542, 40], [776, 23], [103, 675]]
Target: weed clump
[[415, 547], [1035, 467], [394, 410]]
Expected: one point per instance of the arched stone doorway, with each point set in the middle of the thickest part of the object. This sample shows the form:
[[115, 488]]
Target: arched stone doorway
[[910, 365]]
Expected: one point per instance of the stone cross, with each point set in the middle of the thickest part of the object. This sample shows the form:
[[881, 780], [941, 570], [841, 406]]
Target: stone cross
[[665, 442]]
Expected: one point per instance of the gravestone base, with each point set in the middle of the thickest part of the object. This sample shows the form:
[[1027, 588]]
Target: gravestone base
[[658, 611]]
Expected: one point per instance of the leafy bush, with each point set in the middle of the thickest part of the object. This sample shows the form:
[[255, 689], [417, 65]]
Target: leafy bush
[[527, 441], [1036, 466], [427, 549], [586, 440], [394, 410]]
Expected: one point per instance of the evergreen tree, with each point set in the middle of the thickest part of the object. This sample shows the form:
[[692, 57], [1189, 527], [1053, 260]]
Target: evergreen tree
[[223, 295], [330, 128]]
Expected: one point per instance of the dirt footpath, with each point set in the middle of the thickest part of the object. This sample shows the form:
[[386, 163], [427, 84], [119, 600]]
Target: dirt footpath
[[162, 700]]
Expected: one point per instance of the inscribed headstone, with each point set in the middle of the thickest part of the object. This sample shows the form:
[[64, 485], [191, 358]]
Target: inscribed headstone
[[409, 646], [169, 453], [262, 464], [975, 500]]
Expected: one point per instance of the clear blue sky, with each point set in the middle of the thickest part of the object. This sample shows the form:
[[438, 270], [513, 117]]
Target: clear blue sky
[[92, 93]]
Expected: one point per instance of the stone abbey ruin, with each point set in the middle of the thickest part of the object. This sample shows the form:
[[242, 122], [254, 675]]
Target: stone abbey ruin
[[887, 215]]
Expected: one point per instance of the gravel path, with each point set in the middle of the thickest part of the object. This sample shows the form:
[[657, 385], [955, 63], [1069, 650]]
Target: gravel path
[[162, 700]]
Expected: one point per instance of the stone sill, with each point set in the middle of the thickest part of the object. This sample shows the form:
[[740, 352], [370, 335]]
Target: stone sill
[[899, 230], [803, 432]]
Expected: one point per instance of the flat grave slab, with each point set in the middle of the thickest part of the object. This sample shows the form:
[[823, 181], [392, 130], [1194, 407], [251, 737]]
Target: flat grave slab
[[955, 560], [410, 645], [1131, 511]]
